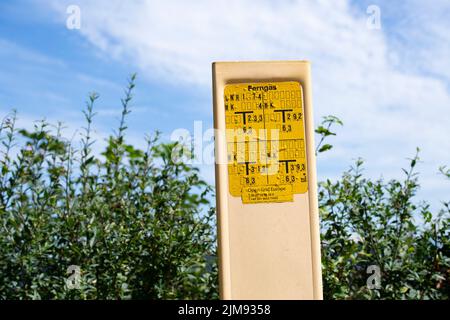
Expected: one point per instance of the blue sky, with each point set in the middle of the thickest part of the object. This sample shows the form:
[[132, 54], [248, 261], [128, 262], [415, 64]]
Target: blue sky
[[390, 86]]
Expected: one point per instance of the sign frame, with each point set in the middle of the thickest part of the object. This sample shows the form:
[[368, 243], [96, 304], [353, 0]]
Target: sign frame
[[266, 251]]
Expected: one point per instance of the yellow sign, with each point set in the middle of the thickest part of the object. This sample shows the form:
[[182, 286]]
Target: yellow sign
[[265, 141]]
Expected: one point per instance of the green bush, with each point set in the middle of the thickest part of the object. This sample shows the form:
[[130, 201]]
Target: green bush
[[137, 224], [369, 224], [133, 221], [375, 223]]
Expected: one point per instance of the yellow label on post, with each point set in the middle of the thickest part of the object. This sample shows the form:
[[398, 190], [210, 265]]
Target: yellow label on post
[[265, 141]]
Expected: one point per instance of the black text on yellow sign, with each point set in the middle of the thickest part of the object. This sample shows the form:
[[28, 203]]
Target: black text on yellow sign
[[265, 141]]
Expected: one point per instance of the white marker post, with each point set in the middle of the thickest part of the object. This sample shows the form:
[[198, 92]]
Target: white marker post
[[266, 185]]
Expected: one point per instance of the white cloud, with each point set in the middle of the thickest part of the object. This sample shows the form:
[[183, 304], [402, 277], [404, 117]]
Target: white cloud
[[390, 103]]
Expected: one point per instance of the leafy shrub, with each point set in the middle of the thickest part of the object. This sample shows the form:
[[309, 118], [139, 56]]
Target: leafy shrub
[[132, 221], [376, 223], [138, 224], [367, 224]]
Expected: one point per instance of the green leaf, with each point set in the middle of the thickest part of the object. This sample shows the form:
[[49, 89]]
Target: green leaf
[[325, 147]]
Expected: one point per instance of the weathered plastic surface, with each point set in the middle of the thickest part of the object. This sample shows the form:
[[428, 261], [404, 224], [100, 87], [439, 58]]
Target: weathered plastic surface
[[267, 250]]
